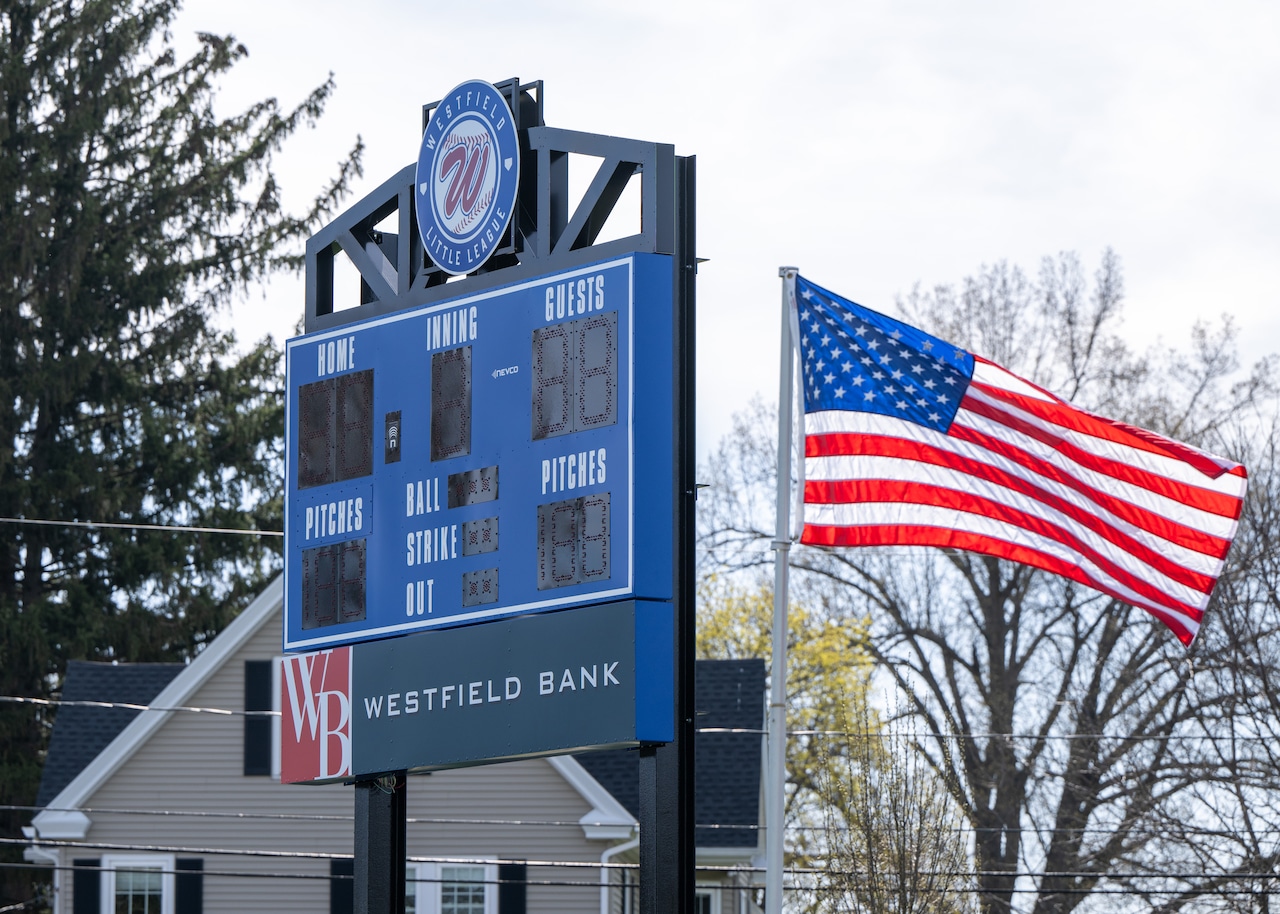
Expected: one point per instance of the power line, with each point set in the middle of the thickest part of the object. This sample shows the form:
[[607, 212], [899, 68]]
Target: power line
[[567, 823], [598, 865], [794, 888], [1271, 882], [136, 526], [919, 735], [750, 731], [318, 817], [210, 814], [321, 855], [130, 706], [248, 874]]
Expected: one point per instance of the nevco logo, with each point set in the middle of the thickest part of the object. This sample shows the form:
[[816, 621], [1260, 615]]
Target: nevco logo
[[467, 178], [315, 700]]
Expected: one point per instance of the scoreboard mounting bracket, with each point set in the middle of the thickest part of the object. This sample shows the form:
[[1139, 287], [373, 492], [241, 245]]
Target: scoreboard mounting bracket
[[396, 271]]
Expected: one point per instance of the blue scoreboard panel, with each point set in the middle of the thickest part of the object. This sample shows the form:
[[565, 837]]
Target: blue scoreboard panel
[[496, 454]]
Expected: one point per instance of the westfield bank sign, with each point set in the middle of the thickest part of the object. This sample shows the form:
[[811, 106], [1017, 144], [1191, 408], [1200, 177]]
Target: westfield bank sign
[[519, 688]]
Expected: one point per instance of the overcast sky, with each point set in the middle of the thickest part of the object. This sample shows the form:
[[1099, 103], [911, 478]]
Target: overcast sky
[[875, 145]]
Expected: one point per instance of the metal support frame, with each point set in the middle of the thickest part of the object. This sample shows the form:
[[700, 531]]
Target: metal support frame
[[667, 849], [380, 845], [397, 273]]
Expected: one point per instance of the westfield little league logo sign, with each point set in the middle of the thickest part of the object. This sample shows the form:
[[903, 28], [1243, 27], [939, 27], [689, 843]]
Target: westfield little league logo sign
[[468, 177]]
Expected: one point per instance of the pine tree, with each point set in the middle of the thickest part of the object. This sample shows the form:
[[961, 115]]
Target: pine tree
[[129, 212]]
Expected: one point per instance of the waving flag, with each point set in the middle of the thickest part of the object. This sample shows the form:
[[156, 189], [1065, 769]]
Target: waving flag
[[910, 440]]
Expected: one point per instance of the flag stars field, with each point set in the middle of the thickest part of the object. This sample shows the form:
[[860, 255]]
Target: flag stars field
[[880, 345]]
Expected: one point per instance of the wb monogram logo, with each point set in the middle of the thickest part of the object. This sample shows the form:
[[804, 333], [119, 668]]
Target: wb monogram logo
[[315, 700]]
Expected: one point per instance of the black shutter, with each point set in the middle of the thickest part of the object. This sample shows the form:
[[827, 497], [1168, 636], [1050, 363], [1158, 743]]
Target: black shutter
[[511, 886], [188, 886], [342, 891], [257, 727], [86, 887]]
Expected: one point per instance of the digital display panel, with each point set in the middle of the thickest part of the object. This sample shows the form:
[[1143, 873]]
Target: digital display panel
[[573, 541], [333, 584], [526, 436], [575, 376], [451, 403], [335, 421]]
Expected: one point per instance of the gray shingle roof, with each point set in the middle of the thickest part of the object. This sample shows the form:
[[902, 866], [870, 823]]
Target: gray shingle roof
[[727, 694], [80, 733]]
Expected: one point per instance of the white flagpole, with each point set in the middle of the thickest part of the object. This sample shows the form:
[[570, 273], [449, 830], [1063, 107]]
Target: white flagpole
[[777, 744]]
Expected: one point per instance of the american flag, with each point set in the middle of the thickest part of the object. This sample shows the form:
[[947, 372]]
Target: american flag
[[910, 440]]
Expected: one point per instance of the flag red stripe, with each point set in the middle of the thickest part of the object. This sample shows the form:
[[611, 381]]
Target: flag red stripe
[[854, 444], [896, 535], [868, 490], [1205, 500], [1047, 418], [1062, 413]]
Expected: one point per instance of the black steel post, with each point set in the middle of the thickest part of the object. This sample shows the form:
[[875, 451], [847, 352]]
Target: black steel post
[[380, 845], [667, 852]]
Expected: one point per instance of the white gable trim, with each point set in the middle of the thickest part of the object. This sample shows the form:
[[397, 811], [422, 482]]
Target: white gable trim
[[178, 692], [608, 820]]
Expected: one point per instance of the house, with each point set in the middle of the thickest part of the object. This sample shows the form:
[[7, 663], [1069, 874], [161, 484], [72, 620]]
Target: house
[[178, 808]]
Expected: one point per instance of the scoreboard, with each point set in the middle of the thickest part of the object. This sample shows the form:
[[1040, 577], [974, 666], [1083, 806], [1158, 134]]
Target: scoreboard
[[497, 454]]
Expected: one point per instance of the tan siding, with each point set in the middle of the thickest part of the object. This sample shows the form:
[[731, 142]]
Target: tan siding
[[529, 791], [193, 763]]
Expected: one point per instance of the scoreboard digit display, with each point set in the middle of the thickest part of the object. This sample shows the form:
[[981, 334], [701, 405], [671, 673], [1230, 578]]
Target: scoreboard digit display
[[502, 453]]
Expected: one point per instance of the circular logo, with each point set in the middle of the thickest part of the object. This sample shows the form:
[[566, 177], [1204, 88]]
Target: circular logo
[[468, 176]]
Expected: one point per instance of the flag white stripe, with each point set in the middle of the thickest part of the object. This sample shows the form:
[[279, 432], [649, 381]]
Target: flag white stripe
[[1164, 465], [850, 422], [900, 469], [1151, 502], [905, 516], [1104, 548], [992, 374]]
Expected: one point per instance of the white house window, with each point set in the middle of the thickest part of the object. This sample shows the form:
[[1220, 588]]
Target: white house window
[[138, 892], [706, 900], [137, 884], [450, 888]]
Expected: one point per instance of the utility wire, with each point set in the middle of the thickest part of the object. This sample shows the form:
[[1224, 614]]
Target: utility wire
[[136, 526], [599, 865], [316, 817], [342, 877], [1270, 888], [922, 735], [750, 731], [1253, 892], [574, 823], [319, 855], [129, 706]]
